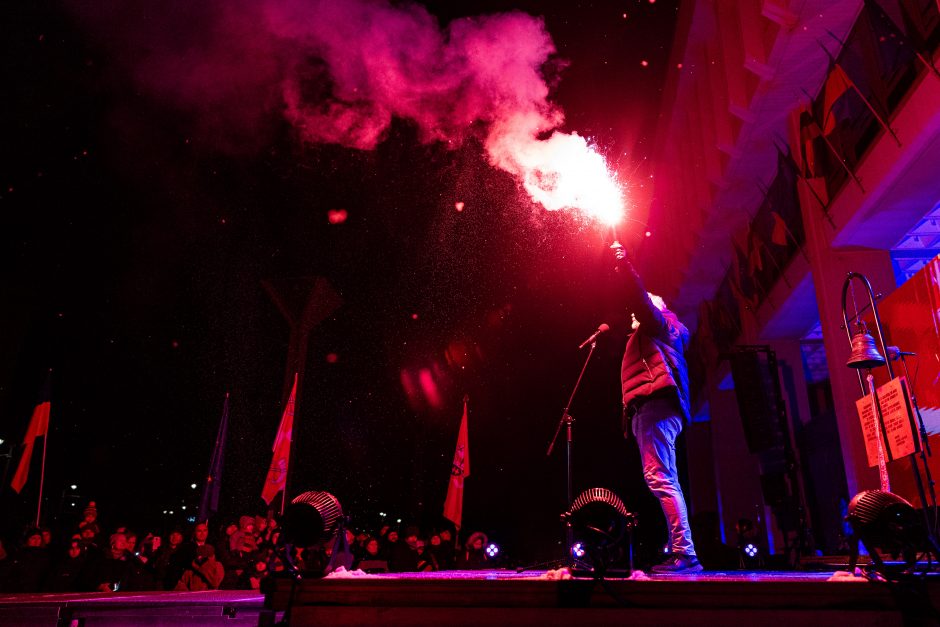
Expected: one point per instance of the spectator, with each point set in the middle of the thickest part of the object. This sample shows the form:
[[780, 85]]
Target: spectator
[[390, 544], [241, 559], [29, 565], [119, 571], [90, 521], [71, 573], [371, 557], [203, 573], [441, 550], [473, 557], [246, 527], [201, 535], [426, 561], [167, 566], [404, 557]]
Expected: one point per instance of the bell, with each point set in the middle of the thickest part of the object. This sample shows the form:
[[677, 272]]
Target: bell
[[864, 352]]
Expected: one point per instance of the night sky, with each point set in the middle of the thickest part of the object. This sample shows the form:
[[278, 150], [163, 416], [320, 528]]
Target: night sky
[[141, 211]]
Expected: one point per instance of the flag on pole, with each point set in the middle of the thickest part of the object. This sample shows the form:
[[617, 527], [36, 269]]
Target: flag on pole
[[460, 470], [277, 474], [209, 503], [38, 428]]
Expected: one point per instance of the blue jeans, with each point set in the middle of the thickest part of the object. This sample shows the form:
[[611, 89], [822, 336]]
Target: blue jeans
[[656, 424]]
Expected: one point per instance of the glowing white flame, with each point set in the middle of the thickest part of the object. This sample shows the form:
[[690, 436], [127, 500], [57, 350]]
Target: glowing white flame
[[561, 172]]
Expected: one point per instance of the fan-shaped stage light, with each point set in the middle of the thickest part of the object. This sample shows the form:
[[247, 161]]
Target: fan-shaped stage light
[[884, 522], [602, 524], [312, 517]]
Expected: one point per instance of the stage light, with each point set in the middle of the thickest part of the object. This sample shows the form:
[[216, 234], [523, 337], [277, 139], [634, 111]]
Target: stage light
[[750, 550], [492, 551], [73, 486], [577, 550], [314, 518], [599, 518], [884, 522], [192, 485], [183, 507]]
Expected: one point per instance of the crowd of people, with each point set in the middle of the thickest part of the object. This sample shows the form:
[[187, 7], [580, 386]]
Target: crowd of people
[[238, 557]]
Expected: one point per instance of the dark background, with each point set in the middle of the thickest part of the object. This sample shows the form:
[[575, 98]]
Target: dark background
[[134, 250]]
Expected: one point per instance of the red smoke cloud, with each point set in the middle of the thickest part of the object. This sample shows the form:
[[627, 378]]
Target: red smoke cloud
[[339, 72]]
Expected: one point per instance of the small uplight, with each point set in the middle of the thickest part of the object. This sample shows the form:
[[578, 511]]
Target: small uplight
[[750, 550], [73, 486], [577, 549], [192, 485], [492, 550], [170, 512], [398, 520], [183, 507]]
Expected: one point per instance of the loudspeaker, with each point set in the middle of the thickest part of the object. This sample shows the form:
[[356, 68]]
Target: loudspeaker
[[758, 393]]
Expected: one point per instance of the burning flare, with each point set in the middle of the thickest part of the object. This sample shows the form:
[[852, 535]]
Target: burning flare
[[560, 172]]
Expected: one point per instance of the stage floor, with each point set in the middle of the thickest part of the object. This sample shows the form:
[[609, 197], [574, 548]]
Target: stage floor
[[501, 597]]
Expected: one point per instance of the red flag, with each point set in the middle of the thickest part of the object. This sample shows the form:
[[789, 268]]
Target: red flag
[[779, 236], [277, 473], [837, 83], [38, 428], [755, 247], [460, 470]]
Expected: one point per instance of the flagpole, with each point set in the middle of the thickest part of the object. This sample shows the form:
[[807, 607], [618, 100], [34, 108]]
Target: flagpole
[[42, 471], [290, 445]]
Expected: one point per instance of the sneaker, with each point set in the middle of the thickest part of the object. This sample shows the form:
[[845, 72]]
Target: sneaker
[[678, 564]]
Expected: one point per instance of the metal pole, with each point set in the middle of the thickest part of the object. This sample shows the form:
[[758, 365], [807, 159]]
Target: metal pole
[[42, 472]]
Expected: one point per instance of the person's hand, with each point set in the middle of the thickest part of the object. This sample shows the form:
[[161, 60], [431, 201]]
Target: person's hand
[[156, 542], [620, 253]]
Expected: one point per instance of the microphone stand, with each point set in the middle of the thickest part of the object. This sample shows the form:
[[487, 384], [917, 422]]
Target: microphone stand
[[567, 421]]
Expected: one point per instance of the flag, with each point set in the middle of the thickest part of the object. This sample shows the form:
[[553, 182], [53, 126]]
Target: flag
[[276, 480], [38, 428], [779, 236], [209, 503], [809, 136], [755, 249], [837, 84], [839, 81], [460, 470]]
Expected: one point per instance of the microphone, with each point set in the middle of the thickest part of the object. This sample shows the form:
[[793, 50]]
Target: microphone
[[895, 353], [600, 329]]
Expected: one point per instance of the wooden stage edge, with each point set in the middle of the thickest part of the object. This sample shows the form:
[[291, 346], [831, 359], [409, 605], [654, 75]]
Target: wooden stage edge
[[455, 599]]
